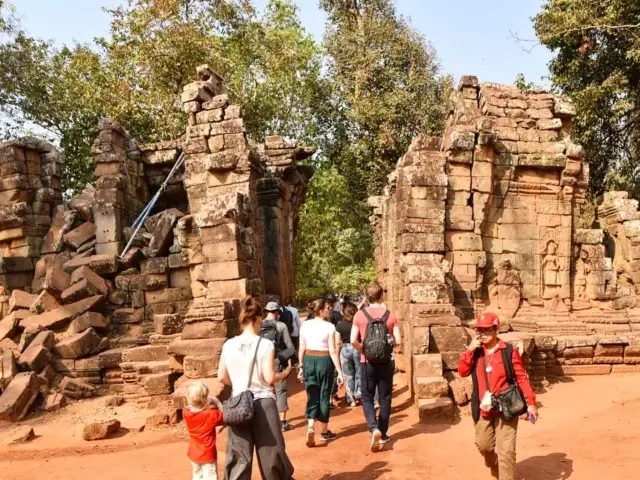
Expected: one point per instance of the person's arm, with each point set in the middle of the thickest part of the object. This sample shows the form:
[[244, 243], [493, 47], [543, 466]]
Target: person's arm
[[301, 352], [338, 340], [333, 351], [355, 336], [214, 402], [269, 373], [287, 338], [522, 379], [465, 366], [223, 373]]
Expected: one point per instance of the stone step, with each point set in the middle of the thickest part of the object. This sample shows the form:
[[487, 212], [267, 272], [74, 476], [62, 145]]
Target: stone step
[[430, 387], [428, 365], [145, 368], [432, 409]]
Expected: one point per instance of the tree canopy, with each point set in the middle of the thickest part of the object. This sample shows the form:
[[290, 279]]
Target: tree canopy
[[596, 46]]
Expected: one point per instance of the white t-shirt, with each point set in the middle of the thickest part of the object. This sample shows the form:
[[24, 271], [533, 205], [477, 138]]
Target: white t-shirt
[[238, 354], [316, 333]]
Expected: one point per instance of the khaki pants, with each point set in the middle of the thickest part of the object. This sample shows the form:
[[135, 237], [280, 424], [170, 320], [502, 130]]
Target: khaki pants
[[496, 441]]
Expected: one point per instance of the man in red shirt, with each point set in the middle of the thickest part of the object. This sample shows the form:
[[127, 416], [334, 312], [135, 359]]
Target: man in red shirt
[[495, 436], [376, 375], [202, 420]]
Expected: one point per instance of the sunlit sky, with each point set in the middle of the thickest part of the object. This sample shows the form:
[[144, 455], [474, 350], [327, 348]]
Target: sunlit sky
[[470, 37]]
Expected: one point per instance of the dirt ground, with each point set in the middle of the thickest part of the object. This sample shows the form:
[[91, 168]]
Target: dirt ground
[[588, 429]]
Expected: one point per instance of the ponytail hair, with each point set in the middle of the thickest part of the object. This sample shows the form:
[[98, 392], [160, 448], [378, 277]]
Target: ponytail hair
[[251, 311], [317, 306]]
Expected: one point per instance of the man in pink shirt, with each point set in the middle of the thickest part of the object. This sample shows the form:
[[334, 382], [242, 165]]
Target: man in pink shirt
[[377, 370]]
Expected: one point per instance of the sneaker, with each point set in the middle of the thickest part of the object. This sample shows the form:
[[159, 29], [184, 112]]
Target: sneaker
[[377, 406], [384, 439], [328, 435], [353, 404], [286, 426], [376, 445], [311, 438]]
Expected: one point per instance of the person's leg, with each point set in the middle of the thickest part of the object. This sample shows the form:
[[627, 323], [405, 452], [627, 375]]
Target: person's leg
[[355, 357], [506, 433], [209, 471], [486, 443], [384, 382], [272, 457], [368, 392], [239, 453], [196, 470], [313, 397], [348, 371], [326, 371], [283, 405]]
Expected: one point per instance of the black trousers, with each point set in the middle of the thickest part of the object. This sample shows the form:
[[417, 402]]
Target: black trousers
[[264, 434], [380, 376]]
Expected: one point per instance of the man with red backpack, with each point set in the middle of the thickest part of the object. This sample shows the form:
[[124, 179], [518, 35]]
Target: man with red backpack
[[375, 331]]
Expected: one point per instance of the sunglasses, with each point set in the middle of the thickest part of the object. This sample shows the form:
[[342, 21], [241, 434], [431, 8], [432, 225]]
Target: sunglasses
[[481, 331]]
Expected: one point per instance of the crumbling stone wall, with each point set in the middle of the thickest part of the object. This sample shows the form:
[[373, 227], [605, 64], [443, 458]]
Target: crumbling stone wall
[[85, 319], [491, 217], [30, 191]]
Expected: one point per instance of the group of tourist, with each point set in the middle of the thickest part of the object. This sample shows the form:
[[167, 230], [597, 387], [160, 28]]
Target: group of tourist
[[352, 344]]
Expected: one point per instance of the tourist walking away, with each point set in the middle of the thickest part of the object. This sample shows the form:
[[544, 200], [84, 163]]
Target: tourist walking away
[[249, 360], [349, 356], [375, 331], [501, 394], [319, 359], [295, 334], [277, 333], [202, 415]]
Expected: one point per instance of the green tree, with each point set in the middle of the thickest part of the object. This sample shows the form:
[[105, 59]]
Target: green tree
[[596, 46], [387, 89], [135, 75], [333, 248]]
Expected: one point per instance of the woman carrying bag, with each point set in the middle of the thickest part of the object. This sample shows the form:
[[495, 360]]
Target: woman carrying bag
[[248, 365], [501, 394]]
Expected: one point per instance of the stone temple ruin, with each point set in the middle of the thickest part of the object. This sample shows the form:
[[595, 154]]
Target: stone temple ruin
[[493, 216], [78, 320]]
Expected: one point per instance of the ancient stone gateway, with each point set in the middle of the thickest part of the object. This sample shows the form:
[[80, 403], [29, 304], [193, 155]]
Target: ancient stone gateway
[[493, 217], [78, 319]]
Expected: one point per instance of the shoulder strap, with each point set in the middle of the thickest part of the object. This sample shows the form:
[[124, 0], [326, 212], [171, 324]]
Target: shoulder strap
[[507, 354], [486, 376], [253, 363], [385, 317], [366, 314]]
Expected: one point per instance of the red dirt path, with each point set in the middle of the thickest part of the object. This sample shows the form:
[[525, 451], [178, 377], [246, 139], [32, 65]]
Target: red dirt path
[[589, 429]]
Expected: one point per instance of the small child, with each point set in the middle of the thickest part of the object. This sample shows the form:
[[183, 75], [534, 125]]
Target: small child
[[202, 416]]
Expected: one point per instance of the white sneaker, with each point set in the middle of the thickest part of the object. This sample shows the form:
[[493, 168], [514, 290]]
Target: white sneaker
[[376, 445], [311, 438], [385, 439]]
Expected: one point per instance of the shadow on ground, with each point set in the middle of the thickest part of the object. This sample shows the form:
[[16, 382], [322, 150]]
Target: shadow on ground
[[373, 470], [555, 466]]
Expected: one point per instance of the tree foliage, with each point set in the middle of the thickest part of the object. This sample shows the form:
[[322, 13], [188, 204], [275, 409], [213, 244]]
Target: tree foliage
[[596, 46], [333, 248], [387, 89], [135, 75]]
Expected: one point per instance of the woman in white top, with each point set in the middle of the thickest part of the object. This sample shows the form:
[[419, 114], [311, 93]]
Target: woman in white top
[[264, 432], [319, 360]]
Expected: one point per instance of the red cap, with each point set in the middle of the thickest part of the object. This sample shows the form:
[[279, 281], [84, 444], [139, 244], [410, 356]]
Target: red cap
[[487, 320]]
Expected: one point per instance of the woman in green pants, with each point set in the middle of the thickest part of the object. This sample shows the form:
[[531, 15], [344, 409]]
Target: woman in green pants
[[320, 360]]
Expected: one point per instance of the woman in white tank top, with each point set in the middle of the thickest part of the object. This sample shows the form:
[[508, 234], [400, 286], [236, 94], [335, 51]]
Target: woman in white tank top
[[319, 359], [264, 433]]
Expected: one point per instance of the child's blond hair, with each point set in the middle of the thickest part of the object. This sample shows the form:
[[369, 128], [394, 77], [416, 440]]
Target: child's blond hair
[[197, 394]]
